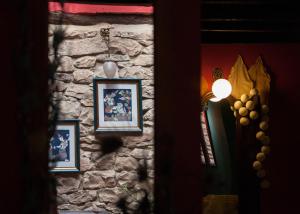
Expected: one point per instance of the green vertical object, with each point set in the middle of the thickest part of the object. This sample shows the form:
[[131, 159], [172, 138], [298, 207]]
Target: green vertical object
[[221, 179]]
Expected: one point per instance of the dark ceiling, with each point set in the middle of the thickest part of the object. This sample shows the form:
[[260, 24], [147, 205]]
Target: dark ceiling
[[243, 21]]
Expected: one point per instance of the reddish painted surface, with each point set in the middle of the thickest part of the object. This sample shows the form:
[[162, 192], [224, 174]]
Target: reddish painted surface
[[282, 61], [76, 8]]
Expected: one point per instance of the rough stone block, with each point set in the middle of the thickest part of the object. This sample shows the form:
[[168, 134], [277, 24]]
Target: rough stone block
[[83, 76], [81, 197], [126, 164], [65, 65], [93, 180], [144, 60], [82, 47], [148, 104], [85, 62], [148, 92], [64, 77], [68, 184], [125, 46], [69, 109], [106, 162]]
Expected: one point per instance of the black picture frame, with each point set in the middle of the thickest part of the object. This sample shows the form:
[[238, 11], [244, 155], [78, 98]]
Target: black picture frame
[[64, 147], [117, 105]]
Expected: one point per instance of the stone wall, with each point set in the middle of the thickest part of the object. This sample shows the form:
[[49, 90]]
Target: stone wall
[[103, 178]]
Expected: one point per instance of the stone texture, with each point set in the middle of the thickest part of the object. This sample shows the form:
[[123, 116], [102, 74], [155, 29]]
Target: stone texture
[[133, 142], [149, 75], [76, 34], [62, 199], [82, 47], [127, 178], [144, 60], [126, 164], [90, 147], [65, 64], [109, 176], [69, 109], [85, 130], [87, 116], [73, 34], [139, 153], [67, 184], [87, 102], [148, 92], [99, 72], [108, 195], [68, 206], [85, 62], [79, 91], [125, 46], [123, 152], [85, 164], [60, 86], [89, 139], [81, 197], [112, 57], [146, 42], [148, 104], [148, 123], [90, 34], [84, 76], [64, 77], [134, 72], [124, 64], [106, 162], [148, 82], [148, 50], [93, 180], [149, 115], [103, 178]]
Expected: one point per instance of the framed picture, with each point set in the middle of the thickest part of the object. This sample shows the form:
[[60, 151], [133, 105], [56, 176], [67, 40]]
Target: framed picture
[[207, 151], [64, 147], [118, 105]]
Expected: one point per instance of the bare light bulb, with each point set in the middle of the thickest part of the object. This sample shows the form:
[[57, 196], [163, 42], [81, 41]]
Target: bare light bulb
[[215, 99], [221, 88], [110, 68]]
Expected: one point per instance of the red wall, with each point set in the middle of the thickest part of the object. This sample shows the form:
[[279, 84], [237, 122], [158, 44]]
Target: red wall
[[282, 61]]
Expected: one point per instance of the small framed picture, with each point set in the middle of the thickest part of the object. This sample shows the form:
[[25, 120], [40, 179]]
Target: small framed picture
[[118, 105], [207, 150], [64, 147]]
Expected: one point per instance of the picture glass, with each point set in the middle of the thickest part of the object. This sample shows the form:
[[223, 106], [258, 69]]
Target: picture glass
[[117, 104], [63, 147], [60, 146]]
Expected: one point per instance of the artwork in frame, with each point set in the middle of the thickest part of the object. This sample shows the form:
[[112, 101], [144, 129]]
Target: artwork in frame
[[207, 151], [64, 147], [118, 105]]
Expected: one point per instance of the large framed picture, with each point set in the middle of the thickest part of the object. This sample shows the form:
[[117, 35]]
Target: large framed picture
[[207, 150], [118, 105], [64, 147]]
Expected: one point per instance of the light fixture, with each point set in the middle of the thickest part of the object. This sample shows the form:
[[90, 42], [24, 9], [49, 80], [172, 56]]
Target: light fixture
[[110, 68], [221, 89]]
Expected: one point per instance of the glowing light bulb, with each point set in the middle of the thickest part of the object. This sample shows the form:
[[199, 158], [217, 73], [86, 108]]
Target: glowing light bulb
[[221, 88], [215, 99]]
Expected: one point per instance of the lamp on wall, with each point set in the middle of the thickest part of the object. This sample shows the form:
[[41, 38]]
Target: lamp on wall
[[221, 89], [110, 68]]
